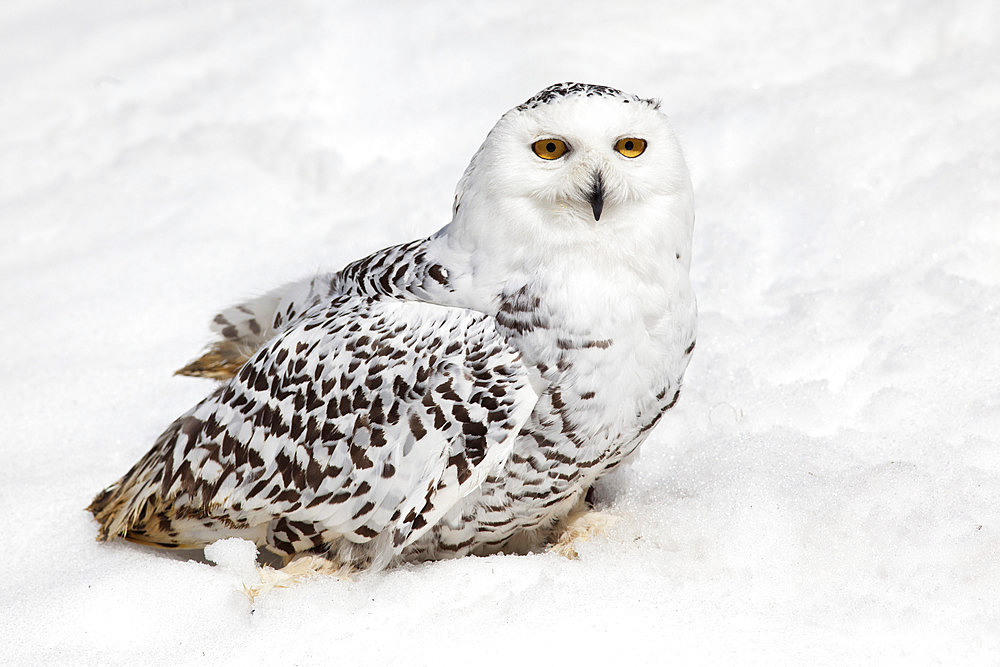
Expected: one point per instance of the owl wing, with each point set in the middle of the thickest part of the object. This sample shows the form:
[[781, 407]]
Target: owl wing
[[367, 418]]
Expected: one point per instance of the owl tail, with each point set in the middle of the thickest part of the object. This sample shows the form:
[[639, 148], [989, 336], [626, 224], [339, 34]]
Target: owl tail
[[243, 328], [222, 360], [133, 507]]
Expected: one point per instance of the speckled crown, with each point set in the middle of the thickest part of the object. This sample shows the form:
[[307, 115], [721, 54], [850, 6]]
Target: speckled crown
[[569, 89]]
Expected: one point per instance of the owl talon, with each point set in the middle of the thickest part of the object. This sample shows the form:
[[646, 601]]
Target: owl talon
[[298, 570], [580, 526]]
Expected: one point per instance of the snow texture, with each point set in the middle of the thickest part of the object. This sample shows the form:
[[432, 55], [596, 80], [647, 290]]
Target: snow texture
[[827, 491]]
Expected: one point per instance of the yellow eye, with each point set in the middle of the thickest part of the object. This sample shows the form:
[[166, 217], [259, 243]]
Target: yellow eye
[[630, 146], [549, 149]]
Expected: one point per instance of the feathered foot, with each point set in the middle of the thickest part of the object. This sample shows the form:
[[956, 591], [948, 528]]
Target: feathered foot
[[222, 361], [580, 525], [299, 569]]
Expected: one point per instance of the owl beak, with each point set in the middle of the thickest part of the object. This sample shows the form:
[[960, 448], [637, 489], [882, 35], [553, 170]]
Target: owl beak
[[596, 195]]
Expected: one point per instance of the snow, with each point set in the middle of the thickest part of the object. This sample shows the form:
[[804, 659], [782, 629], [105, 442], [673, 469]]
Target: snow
[[825, 492]]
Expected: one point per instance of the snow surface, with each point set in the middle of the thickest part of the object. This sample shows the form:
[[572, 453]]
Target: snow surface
[[827, 491]]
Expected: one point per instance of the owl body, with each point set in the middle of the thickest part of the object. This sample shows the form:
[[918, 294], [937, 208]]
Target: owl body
[[458, 394]]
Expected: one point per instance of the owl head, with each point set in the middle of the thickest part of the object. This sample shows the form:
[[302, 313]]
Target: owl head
[[577, 165]]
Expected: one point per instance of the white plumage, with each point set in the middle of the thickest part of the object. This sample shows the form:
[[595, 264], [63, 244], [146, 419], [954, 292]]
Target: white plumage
[[457, 394]]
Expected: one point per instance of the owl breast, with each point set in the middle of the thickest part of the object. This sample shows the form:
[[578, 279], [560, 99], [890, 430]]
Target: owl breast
[[609, 363]]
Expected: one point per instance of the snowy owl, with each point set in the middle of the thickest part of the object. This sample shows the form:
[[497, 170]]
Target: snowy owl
[[458, 394]]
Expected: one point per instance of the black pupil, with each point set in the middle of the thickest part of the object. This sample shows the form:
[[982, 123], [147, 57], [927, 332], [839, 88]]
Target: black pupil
[[550, 147], [629, 145]]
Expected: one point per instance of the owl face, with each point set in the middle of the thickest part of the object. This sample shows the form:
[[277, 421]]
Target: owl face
[[576, 164], [583, 158]]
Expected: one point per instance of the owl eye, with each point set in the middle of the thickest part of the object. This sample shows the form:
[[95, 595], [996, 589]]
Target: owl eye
[[630, 146], [549, 149]]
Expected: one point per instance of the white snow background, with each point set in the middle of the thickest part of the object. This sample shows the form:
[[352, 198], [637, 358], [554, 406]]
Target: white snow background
[[827, 490]]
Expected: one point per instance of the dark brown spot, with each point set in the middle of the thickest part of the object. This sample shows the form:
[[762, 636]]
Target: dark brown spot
[[314, 474], [553, 455], [254, 457], [417, 427], [460, 413], [673, 401], [474, 428], [458, 547], [288, 495], [331, 433], [437, 273], [360, 458], [461, 467], [365, 509]]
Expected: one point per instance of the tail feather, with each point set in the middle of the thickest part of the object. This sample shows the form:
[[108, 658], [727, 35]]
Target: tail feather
[[130, 505], [222, 361], [140, 508], [245, 327]]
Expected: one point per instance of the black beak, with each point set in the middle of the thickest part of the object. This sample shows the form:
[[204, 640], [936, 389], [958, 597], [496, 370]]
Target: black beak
[[596, 196]]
